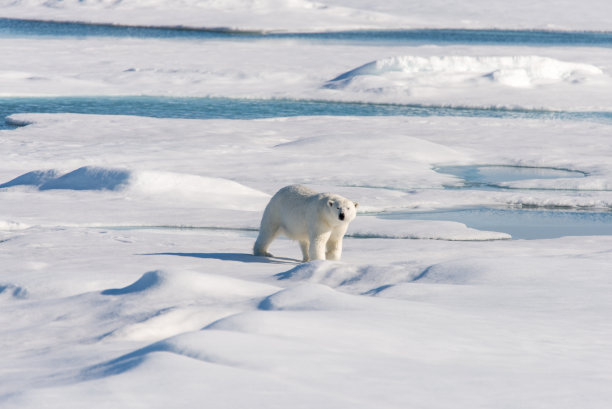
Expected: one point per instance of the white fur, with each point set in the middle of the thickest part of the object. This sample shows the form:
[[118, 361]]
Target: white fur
[[313, 219]]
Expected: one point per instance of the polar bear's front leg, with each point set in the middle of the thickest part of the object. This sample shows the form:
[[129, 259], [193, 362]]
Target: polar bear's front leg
[[334, 248], [318, 245], [334, 244]]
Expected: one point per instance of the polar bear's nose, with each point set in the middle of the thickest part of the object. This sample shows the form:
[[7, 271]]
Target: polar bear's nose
[[341, 216]]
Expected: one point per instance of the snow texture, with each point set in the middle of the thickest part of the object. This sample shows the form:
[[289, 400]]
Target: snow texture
[[122, 277], [127, 278]]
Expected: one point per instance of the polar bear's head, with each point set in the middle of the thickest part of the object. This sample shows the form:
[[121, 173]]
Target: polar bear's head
[[340, 210]]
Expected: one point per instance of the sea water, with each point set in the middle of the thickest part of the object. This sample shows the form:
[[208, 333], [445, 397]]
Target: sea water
[[520, 223], [231, 108], [20, 28]]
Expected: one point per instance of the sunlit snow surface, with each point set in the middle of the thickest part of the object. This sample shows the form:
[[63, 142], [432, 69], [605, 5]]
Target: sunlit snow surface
[[126, 264], [483, 76], [126, 274]]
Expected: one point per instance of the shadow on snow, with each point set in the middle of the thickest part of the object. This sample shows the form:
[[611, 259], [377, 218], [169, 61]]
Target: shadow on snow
[[241, 257]]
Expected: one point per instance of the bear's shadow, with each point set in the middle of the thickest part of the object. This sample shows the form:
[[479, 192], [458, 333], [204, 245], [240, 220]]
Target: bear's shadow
[[241, 257]]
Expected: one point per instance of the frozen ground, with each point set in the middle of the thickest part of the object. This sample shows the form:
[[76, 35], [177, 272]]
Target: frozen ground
[[322, 15], [126, 278]]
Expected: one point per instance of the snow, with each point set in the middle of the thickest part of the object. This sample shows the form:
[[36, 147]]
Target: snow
[[127, 278], [321, 15], [429, 75], [480, 323], [400, 152], [528, 70], [131, 282]]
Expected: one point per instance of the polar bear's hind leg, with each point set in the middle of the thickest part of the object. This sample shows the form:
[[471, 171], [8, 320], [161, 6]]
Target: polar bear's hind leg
[[305, 245], [267, 233]]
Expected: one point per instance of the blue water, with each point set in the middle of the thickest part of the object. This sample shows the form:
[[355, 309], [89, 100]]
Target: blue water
[[521, 223], [20, 28], [492, 176], [209, 108]]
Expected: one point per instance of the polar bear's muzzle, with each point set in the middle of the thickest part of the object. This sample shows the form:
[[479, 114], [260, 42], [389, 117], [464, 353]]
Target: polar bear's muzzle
[[341, 216]]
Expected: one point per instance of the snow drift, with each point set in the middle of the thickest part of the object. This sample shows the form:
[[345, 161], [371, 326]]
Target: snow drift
[[211, 192], [413, 71], [85, 178]]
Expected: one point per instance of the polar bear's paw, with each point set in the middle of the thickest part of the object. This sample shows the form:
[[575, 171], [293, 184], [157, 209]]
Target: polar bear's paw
[[263, 254]]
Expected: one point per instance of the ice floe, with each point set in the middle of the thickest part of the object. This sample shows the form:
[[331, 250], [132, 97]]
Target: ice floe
[[552, 78]]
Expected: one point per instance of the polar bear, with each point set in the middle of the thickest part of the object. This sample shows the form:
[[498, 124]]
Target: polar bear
[[317, 220]]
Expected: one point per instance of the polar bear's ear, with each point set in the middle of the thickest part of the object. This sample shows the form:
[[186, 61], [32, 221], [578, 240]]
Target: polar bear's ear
[[330, 203], [356, 204]]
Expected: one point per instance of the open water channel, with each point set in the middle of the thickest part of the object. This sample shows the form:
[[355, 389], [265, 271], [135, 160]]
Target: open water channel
[[20, 28], [520, 223]]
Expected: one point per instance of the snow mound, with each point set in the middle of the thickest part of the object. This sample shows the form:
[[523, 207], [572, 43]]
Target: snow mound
[[171, 302], [178, 283], [211, 192], [452, 273], [7, 225], [34, 178], [354, 279], [222, 347], [207, 191], [85, 178], [13, 291], [89, 178], [308, 297], [147, 281], [412, 71], [394, 280]]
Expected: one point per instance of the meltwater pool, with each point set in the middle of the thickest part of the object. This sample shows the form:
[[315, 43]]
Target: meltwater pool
[[521, 223], [493, 176]]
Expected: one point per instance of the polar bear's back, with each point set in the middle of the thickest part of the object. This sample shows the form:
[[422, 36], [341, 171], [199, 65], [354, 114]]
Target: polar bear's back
[[294, 193], [289, 208]]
